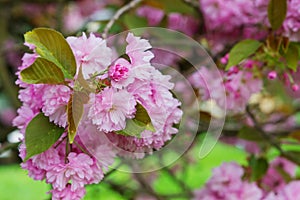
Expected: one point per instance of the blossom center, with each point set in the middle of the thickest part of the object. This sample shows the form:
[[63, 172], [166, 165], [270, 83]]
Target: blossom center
[[118, 72]]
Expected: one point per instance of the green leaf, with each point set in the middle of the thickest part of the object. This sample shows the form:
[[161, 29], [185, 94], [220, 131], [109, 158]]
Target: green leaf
[[177, 6], [259, 167], [132, 21], [141, 122], [75, 110], [40, 135], [249, 133], [241, 51], [52, 46], [276, 13], [292, 57], [42, 71]]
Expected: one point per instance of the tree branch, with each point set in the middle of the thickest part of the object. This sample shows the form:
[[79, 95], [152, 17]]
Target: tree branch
[[267, 137], [192, 3], [118, 14]]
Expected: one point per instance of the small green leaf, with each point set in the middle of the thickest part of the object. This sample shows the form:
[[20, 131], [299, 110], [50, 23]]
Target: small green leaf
[[40, 135], [132, 129], [176, 6], [276, 13], [75, 110], [52, 46], [249, 133], [140, 123], [141, 115], [42, 71], [241, 51], [292, 57], [259, 167]]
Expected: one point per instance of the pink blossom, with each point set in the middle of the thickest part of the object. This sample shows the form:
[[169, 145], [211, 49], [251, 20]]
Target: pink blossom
[[288, 192], [110, 108], [55, 101], [224, 59], [137, 50], [121, 73], [291, 24], [96, 143], [153, 15], [227, 22], [33, 171], [295, 87], [47, 159], [185, 24], [25, 115], [80, 170], [272, 75], [273, 180], [32, 95], [67, 193], [90, 53]]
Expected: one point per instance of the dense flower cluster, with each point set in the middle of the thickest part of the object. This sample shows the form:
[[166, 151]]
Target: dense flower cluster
[[239, 86], [228, 182], [227, 22], [120, 85]]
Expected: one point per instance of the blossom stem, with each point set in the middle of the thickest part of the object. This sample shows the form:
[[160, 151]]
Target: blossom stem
[[118, 14], [99, 74]]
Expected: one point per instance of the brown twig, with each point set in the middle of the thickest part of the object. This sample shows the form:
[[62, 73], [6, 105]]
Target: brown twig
[[118, 14], [8, 147], [266, 136], [178, 181], [139, 177]]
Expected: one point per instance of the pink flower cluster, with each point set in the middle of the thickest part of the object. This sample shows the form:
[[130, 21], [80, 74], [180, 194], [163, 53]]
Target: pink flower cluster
[[121, 85], [274, 179], [226, 22], [229, 183], [239, 86], [226, 183]]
